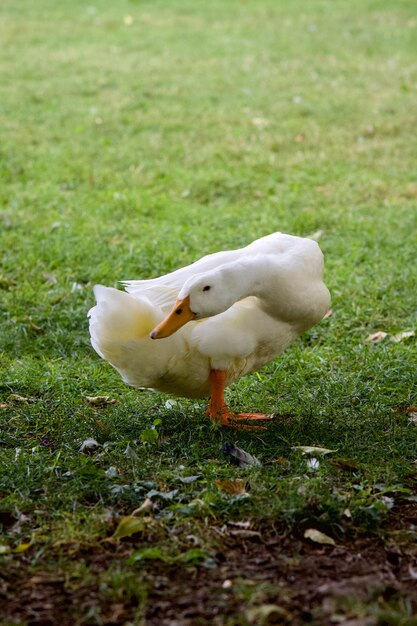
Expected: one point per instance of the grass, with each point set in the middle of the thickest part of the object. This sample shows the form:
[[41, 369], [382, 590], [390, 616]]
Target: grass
[[137, 137]]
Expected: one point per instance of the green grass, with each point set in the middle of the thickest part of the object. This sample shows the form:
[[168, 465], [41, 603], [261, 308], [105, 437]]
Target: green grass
[[129, 150]]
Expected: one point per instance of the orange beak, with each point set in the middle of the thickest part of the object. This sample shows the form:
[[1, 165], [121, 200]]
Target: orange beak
[[180, 315]]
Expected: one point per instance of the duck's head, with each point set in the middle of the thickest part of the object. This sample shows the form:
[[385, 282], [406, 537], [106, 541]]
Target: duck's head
[[202, 296]]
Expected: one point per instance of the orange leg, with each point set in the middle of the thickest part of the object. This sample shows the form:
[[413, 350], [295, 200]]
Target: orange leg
[[217, 409]]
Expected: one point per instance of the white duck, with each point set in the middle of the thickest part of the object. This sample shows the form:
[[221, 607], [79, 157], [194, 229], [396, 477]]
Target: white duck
[[220, 318]]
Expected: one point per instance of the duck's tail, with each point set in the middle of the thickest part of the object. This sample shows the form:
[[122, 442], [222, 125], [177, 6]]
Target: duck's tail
[[118, 318]]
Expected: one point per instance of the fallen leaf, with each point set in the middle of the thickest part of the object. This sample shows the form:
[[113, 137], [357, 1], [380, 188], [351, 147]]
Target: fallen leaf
[[410, 412], [15, 397], [89, 444], [171, 404], [233, 487], [100, 400], [345, 465], [149, 435], [4, 405], [245, 534], [268, 614], [153, 553], [35, 327], [22, 547], [376, 337], [42, 579], [145, 507], [347, 513], [238, 456], [49, 278], [318, 537], [128, 526], [111, 472], [165, 495], [412, 417], [313, 450], [131, 453], [328, 314], [401, 336], [242, 525], [188, 479]]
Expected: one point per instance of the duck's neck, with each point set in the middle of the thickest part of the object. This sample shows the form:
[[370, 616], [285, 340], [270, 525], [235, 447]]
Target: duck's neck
[[245, 278]]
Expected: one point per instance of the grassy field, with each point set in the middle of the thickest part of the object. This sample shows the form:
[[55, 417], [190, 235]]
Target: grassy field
[[136, 137]]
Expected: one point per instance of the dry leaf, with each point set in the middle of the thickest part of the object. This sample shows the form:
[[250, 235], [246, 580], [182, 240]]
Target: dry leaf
[[4, 405], [376, 337], [145, 507], [14, 397], [312, 450], [268, 614], [279, 461], [245, 534], [35, 327], [234, 487], [238, 456], [328, 314], [345, 465], [243, 524], [318, 537], [42, 579], [411, 412], [100, 400], [404, 335], [49, 278], [89, 444]]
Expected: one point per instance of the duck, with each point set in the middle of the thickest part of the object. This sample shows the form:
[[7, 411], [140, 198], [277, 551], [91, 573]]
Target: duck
[[193, 332]]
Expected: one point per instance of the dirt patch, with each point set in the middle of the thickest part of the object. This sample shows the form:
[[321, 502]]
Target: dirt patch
[[258, 577]]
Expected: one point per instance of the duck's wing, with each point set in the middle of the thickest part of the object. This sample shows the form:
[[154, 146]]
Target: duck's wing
[[163, 291], [162, 296]]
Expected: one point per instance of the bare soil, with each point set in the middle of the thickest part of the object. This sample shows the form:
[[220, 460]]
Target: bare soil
[[257, 578]]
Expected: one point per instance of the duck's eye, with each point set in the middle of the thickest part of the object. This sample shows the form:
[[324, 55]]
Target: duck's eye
[[178, 311], [206, 288]]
